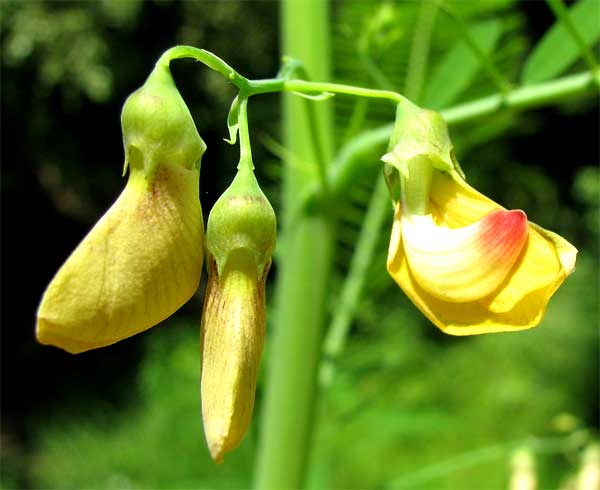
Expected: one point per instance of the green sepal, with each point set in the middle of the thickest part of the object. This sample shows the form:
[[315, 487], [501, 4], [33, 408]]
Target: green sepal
[[242, 218], [419, 144], [158, 128], [232, 121], [419, 133]]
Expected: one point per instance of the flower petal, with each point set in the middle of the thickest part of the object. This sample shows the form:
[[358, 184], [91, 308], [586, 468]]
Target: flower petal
[[454, 203], [137, 266], [528, 306], [468, 263]]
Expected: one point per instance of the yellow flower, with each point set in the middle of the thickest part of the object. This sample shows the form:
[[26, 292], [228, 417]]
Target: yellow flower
[[240, 239], [467, 263], [143, 259]]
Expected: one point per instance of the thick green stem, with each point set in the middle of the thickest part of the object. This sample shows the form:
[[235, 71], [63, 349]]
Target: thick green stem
[[304, 266]]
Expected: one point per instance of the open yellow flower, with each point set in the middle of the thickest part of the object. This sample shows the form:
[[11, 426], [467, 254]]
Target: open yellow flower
[[143, 259], [467, 263]]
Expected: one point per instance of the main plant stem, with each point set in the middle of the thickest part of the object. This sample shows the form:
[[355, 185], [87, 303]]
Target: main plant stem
[[303, 268]]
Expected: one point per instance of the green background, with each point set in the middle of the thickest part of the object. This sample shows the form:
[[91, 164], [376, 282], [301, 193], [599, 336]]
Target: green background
[[409, 407]]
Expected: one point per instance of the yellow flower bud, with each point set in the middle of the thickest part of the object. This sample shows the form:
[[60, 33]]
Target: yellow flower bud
[[143, 259], [240, 240]]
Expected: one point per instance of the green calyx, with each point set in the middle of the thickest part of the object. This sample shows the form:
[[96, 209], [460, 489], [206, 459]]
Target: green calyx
[[419, 145], [158, 128], [242, 218]]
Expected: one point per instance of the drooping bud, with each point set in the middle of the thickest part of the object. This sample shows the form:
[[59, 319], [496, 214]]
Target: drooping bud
[[143, 259], [241, 235]]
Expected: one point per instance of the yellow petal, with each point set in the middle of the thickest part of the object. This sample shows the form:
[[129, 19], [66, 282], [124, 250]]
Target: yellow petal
[[137, 265], [454, 203], [528, 306], [538, 267], [233, 329], [467, 263]]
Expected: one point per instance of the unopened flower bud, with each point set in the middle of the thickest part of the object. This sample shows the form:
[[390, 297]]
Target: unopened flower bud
[[143, 259], [241, 234]]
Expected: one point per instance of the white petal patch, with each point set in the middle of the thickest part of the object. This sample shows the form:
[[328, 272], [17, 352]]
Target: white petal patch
[[463, 264]]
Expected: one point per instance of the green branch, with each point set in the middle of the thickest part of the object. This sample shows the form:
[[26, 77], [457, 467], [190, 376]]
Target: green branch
[[528, 97], [494, 74], [480, 456], [561, 12], [535, 96]]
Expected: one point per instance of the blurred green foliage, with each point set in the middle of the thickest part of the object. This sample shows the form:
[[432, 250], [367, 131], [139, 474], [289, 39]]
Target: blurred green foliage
[[408, 407]]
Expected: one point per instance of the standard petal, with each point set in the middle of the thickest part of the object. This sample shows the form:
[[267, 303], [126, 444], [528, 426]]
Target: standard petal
[[477, 317], [454, 203], [137, 266], [538, 267], [464, 264]]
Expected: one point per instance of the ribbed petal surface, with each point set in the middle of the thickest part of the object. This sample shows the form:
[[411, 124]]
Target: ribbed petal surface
[[520, 299], [467, 263], [137, 265]]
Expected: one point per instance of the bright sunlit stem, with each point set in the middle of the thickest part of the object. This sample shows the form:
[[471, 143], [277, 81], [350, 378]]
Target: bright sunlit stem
[[338, 88]]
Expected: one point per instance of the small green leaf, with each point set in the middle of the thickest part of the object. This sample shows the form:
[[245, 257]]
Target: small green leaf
[[460, 65], [557, 50], [232, 121]]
